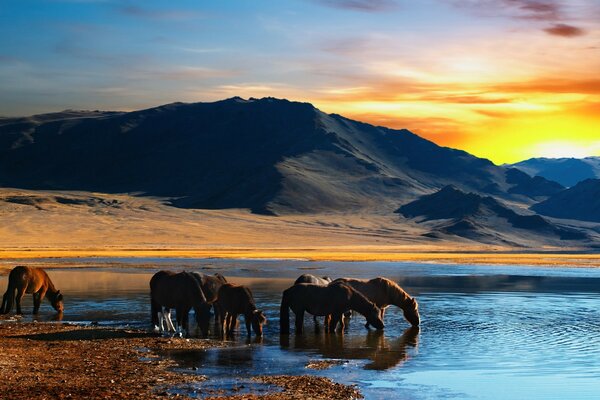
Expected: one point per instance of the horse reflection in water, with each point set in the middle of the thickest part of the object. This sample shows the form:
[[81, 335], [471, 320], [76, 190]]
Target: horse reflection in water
[[374, 346]]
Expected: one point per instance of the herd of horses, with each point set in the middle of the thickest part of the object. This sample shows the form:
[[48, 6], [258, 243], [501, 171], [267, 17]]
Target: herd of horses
[[184, 291]]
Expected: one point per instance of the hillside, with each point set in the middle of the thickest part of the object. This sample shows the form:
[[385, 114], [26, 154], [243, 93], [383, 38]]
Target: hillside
[[267, 155]]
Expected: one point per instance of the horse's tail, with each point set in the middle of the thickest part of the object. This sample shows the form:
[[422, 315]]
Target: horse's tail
[[284, 314]]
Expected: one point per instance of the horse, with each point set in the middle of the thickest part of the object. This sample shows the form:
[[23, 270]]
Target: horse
[[210, 285], [180, 291], [384, 292], [320, 300], [234, 300], [323, 281], [36, 281]]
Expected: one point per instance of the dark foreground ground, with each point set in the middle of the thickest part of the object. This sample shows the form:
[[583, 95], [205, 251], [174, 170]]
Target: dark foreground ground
[[61, 361]]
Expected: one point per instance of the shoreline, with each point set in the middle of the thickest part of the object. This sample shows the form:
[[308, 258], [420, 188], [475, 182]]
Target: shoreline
[[550, 258]]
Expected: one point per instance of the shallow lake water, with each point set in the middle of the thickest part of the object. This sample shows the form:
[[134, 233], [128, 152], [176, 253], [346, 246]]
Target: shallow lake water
[[487, 332]]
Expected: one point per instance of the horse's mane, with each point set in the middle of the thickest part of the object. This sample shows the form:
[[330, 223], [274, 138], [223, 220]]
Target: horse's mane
[[393, 290]]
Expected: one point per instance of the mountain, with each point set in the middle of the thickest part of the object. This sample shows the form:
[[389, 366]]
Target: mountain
[[581, 202], [268, 155], [477, 217], [566, 171]]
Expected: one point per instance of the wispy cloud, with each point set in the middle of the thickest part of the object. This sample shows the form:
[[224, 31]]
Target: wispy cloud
[[542, 10], [564, 30], [360, 5], [552, 11]]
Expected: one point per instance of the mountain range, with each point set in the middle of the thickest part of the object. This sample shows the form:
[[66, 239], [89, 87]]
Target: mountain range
[[271, 156], [566, 171]]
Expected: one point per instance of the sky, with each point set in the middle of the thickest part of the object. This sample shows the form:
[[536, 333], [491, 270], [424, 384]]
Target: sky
[[502, 79]]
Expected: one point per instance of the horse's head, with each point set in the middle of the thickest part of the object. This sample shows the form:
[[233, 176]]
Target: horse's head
[[57, 302], [258, 320], [411, 312], [373, 317]]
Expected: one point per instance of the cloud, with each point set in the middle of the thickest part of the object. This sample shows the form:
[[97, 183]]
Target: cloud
[[359, 5], [551, 11], [535, 9], [542, 10], [551, 86], [564, 30]]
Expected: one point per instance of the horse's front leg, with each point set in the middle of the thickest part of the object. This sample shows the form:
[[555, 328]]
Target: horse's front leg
[[299, 321], [37, 300], [248, 321], [335, 319]]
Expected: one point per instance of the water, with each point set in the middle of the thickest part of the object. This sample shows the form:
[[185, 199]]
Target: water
[[488, 332]]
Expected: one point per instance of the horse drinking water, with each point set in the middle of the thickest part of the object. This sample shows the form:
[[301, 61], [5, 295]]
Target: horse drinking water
[[320, 300], [234, 300], [322, 281], [384, 292], [36, 281]]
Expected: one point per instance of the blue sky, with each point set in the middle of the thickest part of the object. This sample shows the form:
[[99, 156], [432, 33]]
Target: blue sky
[[455, 71]]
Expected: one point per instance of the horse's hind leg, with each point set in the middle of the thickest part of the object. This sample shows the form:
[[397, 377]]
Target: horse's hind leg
[[168, 322], [19, 297], [4, 301], [9, 298]]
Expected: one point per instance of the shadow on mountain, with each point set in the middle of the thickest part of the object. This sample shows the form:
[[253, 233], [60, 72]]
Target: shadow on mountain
[[581, 202], [479, 218]]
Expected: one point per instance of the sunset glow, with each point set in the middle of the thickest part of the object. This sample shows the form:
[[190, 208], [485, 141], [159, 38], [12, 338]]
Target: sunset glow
[[506, 80]]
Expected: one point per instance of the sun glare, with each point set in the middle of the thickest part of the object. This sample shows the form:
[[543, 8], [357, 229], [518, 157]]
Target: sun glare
[[562, 149]]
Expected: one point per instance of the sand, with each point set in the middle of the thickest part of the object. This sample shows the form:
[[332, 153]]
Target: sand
[[62, 361]]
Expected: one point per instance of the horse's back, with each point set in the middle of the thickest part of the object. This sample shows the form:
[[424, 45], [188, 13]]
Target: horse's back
[[309, 278], [317, 299], [31, 278], [235, 298], [169, 288]]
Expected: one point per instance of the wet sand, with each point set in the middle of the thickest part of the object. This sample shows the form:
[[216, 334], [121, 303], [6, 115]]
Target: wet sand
[[61, 361]]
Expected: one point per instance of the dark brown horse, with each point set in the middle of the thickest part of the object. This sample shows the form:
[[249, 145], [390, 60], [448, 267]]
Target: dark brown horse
[[234, 300], [384, 292], [322, 301], [36, 281], [210, 285], [180, 291], [323, 281]]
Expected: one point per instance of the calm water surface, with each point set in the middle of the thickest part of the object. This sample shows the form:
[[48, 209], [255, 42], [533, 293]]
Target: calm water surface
[[488, 332]]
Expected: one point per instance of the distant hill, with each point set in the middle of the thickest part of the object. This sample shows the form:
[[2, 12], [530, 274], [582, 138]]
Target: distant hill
[[581, 202], [566, 171], [477, 217]]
